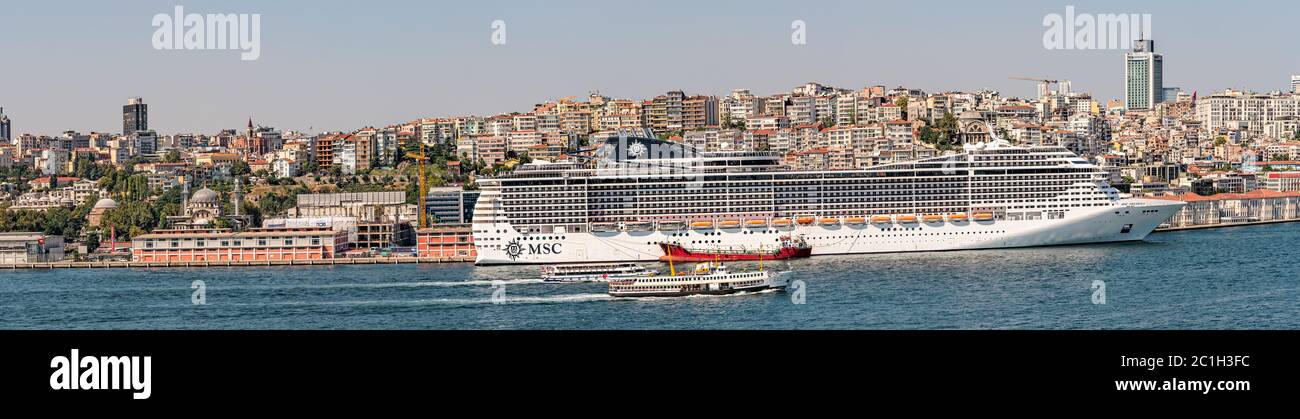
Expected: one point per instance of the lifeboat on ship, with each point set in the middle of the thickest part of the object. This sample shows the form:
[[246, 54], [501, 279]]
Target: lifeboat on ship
[[638, 226], [906, 218], [828, 221], [933, 218], [755, 223], [880, 219], [781, 222], [603, 227], [961, 216], [729, 223], [672, 225], [805, 220], [983, 216], [855, 220], [700, 225]]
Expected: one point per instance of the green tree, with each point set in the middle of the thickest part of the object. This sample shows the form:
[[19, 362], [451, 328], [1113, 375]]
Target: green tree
[[309, 167], [58, 221], [88, 168], [902, 102], [945, 133], [253, 213], [240, 168], [132, 217], [92, 242], [172, 156], [275, 204]]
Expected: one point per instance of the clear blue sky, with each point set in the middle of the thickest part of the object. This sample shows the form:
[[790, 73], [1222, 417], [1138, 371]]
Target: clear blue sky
[[340, 65]]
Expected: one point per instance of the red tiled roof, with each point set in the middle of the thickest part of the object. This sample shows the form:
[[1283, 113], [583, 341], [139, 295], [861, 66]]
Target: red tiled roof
[[819, 150], [46, 179]]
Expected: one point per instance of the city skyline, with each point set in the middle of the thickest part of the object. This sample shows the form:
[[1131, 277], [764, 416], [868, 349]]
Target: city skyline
[[314, 76]]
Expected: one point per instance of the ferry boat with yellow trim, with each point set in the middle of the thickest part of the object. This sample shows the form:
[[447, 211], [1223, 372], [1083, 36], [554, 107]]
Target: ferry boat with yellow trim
[[707, 278]]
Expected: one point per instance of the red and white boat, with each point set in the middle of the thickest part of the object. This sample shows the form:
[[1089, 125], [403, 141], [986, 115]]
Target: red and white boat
[[790, 248]]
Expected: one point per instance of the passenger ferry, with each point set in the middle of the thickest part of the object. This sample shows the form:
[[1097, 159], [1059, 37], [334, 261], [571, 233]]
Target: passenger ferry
[[594, 272], [634, 192], [706, 279]]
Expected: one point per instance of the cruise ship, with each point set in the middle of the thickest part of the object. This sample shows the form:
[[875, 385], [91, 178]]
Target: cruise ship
[[632, 193]]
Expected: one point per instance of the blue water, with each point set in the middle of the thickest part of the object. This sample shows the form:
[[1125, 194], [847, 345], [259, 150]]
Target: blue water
[[1232, 278]]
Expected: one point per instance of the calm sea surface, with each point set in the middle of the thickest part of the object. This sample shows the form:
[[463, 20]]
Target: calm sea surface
[[1232, 278]]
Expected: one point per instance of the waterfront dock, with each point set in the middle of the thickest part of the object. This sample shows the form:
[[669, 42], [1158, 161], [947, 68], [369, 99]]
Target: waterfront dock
[[204, 264], [1224, 225], [1256, 207]]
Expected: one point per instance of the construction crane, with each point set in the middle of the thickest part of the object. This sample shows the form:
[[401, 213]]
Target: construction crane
[[1050, 81], [1044, 85], [422, 220]]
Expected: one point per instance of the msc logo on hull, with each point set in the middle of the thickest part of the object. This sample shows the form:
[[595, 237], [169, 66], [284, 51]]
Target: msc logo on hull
[[514, 249]]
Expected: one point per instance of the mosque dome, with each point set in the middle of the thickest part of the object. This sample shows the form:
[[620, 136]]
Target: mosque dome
[[204, 195]]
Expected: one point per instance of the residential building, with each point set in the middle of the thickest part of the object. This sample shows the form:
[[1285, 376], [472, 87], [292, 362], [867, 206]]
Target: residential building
[[144, 143], [1247, 111], [699, 112], [325, 148], [1281, 181], [285, 167]]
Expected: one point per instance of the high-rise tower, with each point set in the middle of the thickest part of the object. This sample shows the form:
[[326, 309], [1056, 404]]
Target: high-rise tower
[[6, 128], [135, 116], [1143, 76]]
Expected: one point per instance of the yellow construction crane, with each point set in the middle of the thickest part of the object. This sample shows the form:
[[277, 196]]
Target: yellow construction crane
[[422, 221]]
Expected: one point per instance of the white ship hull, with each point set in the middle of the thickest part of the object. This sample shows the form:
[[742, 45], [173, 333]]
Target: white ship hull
[[1127, 220]]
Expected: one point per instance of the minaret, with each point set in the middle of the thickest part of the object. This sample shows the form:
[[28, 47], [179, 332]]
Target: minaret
[[236, 197], [185, 197]]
